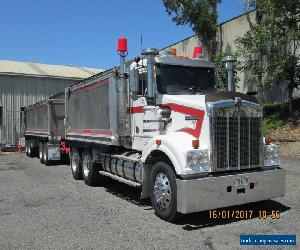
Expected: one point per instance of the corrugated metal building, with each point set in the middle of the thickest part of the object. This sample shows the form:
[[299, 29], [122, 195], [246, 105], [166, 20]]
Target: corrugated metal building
[[24, 83]]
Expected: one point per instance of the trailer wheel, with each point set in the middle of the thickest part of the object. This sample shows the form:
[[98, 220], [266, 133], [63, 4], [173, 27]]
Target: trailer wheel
[[45, 154], [90, 171], [30, 149], [41, 152], [76, 164], [26, 147], [163, 191]]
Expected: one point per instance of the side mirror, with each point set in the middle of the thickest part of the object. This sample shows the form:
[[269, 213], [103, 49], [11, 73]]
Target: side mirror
[[165, 112]]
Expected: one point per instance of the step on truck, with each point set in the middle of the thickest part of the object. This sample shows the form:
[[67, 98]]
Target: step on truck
[[156, 122], [44, 130]]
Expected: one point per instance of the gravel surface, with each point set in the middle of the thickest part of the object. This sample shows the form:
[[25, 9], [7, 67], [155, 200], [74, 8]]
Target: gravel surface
[[44, 208], [289, 150]]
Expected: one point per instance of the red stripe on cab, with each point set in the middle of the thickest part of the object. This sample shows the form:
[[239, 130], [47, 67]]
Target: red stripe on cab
[[189, 111], [134, 110]]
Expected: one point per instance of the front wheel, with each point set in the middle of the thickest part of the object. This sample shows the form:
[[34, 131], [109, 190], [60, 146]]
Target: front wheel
[[163, 191]]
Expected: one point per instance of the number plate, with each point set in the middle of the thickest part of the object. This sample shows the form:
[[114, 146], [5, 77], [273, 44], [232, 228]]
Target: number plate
[[240, 181]]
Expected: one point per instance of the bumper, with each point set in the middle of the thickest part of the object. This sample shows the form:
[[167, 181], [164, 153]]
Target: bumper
[[214, 192]]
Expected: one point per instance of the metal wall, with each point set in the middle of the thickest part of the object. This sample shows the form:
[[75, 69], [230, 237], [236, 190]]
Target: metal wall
[[227, 33], [57, 116], [37, 118], [88, 107], [21, 91]]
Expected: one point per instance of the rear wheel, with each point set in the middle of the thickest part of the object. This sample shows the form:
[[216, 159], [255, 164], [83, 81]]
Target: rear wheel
[[41, 152], [164, 191], [90, 172], [76, 164], [30, 149], [45, 154], [26, 147]]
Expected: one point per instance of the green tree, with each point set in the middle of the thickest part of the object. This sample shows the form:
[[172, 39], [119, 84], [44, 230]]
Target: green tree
[[253, 47], [201, 15], [284, 59], [221, 73], [270, 49]]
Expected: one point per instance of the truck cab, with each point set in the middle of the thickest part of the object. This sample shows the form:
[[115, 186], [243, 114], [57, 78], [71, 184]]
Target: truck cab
[[211, 141]]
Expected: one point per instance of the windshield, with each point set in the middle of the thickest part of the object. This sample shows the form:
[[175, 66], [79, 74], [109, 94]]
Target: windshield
[[178, 80]]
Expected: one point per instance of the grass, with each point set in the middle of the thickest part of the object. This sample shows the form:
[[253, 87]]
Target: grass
[[277, 115], [271, 123]]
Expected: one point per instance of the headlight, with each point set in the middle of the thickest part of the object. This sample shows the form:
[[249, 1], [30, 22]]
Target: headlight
[[271, 151], [271, 155], [198, 158], [192, 158]]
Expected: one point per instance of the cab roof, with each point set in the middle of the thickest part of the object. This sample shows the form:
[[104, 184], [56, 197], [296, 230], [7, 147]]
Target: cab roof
[[170, 60]]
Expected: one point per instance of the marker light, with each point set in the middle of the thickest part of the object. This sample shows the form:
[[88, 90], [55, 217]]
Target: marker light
[[182, 57], [268, 139], [195, 144], [198, 51], [174, 52], [122, 44]]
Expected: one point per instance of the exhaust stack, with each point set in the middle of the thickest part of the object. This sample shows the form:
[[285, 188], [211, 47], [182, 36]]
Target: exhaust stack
[[229, 60], [122, 96], [150, 53]]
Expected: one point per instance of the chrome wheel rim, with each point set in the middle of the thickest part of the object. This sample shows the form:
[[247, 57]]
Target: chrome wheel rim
[[29, 150], [74, 161], [162, 190], [45, 153], [86, 166], [41, 152]]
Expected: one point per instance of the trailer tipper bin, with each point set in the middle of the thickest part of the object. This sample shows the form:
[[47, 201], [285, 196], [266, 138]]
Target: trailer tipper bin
[[45, 131]]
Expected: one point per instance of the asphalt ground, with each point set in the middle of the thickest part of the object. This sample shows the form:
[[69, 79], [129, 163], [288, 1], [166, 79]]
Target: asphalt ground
[[44, 208]]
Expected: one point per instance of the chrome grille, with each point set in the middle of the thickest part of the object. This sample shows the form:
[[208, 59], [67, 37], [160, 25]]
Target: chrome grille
[[236, 138]]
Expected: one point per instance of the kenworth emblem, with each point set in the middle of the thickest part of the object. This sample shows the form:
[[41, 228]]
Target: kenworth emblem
[[238, 101], [191, 118]]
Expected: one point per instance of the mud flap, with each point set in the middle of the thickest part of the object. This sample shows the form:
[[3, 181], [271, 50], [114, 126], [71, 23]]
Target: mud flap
[[53, 152]]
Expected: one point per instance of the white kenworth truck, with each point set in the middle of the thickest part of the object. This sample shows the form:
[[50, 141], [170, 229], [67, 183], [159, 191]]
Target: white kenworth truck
[[157, 123]]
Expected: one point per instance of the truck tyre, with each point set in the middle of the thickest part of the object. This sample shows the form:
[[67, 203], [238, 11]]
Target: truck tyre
[[76, 164], [26, 147], [163, 191], [45, 154], [90, 171], [30, 149], [41, 152]]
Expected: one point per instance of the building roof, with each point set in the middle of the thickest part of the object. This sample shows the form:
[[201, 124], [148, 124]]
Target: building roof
[[33, 69]]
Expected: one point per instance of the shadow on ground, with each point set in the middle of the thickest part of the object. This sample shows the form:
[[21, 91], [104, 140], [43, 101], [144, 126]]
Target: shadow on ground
[[203, 219], [125, 192], [64, 161]]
